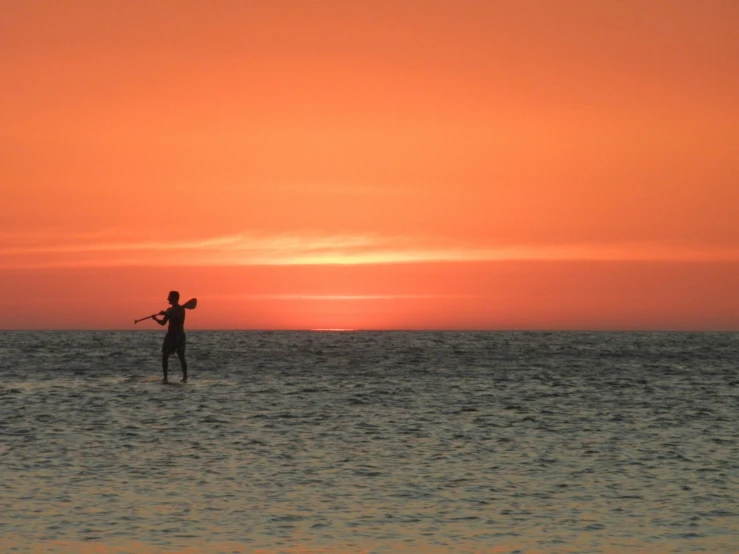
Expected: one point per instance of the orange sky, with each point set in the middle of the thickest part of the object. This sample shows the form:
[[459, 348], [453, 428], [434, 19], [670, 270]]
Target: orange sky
[[418, 164]]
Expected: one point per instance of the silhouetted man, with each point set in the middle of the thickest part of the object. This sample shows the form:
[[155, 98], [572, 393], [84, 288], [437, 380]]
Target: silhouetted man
[[174, 340]]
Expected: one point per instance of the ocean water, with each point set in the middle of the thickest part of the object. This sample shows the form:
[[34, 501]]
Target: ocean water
[[370, 442]]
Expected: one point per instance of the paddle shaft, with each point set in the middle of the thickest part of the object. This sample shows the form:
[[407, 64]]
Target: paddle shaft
[[143, 318], [189, 305]]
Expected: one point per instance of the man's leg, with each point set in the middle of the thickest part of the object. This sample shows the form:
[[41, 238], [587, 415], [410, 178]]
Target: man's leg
[[183, 363], [165, 364]]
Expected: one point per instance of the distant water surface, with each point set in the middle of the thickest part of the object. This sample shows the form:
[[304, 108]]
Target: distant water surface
[[370, 442]]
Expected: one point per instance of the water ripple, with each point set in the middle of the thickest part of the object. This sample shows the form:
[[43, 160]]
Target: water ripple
[[370, 442]]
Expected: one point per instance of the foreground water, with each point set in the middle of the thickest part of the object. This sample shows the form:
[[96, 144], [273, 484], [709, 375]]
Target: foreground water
[[370, 442]]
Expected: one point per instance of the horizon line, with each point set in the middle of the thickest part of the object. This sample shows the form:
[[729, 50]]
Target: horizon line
[[376, 330]]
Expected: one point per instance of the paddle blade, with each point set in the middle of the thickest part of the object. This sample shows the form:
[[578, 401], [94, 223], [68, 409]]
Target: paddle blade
[[191, 304]]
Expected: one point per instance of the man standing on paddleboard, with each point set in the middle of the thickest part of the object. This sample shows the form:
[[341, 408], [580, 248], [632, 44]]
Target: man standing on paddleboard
[[174, 340]]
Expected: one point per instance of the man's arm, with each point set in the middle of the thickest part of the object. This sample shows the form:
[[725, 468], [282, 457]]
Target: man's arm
[[164, 319]]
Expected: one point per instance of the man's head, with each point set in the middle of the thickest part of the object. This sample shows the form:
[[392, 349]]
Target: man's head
[[173, 297]]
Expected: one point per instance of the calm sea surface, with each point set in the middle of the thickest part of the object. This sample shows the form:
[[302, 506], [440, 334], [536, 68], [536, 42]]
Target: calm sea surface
[[370, 442]]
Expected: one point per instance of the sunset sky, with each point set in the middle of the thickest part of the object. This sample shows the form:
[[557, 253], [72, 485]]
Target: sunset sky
[[383, 164]]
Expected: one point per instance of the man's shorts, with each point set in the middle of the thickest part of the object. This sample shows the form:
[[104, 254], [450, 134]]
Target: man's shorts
[[174, 343]]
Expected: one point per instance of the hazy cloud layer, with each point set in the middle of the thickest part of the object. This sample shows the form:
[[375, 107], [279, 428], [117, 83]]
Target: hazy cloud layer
[[38, 251]]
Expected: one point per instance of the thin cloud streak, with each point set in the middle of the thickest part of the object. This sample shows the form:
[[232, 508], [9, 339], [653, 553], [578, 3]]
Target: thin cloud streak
[[283, 250], [342, 297]]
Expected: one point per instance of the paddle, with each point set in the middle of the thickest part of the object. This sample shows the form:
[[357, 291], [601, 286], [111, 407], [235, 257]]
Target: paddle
[[189, 305]]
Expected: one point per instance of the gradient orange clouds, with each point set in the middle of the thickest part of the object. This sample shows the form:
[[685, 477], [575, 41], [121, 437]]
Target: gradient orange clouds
[[416, 164]]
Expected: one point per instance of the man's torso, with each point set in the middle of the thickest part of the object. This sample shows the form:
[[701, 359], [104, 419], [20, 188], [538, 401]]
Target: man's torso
[[176, 315]]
